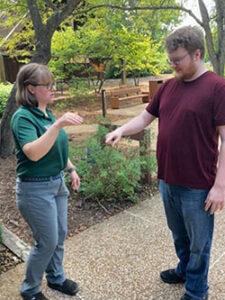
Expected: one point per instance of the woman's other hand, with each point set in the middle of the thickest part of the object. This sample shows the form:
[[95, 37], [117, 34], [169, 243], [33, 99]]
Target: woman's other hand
[[75, 180]]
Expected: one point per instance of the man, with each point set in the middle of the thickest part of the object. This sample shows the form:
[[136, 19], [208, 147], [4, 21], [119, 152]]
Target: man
[[191, 112]]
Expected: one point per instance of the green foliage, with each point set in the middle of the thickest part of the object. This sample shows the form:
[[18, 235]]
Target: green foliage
[[21, 41], [134, 37], [65, 47], [5, 90], [149, 163], [107, 173], [79, 87], [21, 45], [114, 37]]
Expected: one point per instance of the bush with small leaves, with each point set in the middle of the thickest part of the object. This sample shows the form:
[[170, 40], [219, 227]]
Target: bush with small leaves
[[5, 90], [107, 173]]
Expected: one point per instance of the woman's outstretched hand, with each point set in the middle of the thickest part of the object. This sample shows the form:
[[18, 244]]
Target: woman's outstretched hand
[[69, 119]]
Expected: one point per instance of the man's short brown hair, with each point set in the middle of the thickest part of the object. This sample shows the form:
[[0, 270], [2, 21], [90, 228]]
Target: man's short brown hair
[[190, 38]]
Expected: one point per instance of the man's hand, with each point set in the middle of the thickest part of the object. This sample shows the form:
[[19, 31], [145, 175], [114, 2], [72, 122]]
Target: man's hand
[[75, 180], [113, 137], [215, 200]]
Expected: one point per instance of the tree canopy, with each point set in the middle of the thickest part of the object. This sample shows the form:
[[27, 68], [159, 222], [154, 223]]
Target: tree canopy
[[135, 37], [119, 36]]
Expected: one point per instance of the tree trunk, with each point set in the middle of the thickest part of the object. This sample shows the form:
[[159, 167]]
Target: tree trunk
[[216, 49], [123, 73], [6, 139], [218, 67], [43, 35], [42, 55]]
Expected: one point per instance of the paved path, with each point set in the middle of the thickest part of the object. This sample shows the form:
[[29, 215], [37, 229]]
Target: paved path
[[120, 259]]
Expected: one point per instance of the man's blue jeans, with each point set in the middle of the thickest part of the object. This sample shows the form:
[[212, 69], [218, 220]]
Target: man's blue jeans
[[192, 230], [44, 207]]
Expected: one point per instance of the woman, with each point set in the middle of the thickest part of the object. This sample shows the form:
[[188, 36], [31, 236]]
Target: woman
[[42, 155]]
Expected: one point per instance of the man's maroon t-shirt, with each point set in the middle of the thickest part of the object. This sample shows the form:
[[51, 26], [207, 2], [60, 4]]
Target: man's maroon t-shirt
[[189, 113]]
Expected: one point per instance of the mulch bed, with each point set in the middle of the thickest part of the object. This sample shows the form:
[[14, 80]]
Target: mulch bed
[[8, 260]]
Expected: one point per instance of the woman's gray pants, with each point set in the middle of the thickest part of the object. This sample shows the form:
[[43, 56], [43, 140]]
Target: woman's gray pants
[[44, 207]]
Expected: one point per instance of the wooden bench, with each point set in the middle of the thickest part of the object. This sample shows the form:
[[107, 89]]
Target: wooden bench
[[125, 95], [154, 85]]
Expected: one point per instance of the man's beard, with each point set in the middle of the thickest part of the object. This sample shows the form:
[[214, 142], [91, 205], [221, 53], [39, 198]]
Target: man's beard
[[186, 76]]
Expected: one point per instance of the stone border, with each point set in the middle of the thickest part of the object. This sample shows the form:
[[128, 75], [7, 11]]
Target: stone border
[[15, 244]]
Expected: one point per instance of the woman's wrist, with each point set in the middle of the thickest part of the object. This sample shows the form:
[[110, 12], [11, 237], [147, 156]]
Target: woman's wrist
[[71, 169], [56, 125]]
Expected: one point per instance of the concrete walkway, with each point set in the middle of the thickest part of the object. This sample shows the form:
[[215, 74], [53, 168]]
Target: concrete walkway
[[120, 259]]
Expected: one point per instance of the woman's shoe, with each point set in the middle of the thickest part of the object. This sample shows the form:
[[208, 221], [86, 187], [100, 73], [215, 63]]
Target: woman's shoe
[[68, 287], [38, 296]]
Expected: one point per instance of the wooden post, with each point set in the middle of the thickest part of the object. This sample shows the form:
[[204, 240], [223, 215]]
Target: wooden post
[[103, 103], [124, 73], [145, 150], [61, 86]]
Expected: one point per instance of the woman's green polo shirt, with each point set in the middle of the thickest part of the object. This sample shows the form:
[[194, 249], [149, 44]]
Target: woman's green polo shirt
[[28, 124]]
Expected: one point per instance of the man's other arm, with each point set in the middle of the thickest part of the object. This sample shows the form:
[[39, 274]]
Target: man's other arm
[[216, 197]]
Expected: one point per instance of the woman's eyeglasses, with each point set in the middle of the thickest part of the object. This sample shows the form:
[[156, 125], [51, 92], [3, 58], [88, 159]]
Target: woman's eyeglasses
[[49, 86]]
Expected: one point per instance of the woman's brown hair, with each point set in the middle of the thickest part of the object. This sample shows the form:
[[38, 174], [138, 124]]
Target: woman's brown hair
[[30, 74]]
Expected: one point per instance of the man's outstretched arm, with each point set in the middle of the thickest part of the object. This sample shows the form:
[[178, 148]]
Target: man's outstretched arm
[[135, 125]]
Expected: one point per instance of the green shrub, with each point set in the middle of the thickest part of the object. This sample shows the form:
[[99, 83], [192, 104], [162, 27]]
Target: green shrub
[[107, 173], [5, 90], [79, 87]]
